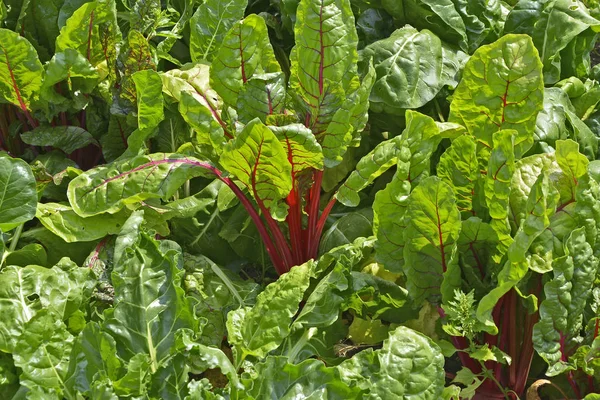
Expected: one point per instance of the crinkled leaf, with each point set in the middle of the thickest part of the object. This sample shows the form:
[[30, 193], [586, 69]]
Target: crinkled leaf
[[458, 167], [25, 291], [541, 204], [324, 70], [72, 67], [209, 25], [500, 169], [277, 379], [261, 96], [507, 76], [94, 351], [410, 365], [42, 352], [109, 188]]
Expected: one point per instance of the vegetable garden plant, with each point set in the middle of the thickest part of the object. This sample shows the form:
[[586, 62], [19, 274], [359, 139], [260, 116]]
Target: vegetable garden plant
[[307, 199]]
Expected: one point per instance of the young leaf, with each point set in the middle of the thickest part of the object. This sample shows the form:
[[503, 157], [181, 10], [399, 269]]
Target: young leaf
[[389, 209], [257, 158], [431, 236], [458, 167], [18, 198], [92, 31], [244, 53], [303, 150], [508, 75], [63, 67], [500, 169], [109, 188], [199, 104], [258, 330], [380, 159], [21, 71], [135, 56], [323, 60], [209, 25]]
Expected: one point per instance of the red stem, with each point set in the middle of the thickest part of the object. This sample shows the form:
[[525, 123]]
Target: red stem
[[262, 230], [321, 225], [314, 198], [294, 221], [512, 341], [573, 384]]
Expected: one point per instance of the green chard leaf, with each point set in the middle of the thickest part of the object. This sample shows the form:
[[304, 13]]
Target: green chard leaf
[[199, 104], [65, 223], [552, 25], [210, 24], [18, 198], [79, 77], [65, 138], [509, 95], [42, 352], [275, 378], [403, 83], [21, 71], [136, 56], [431, 236], [541, 204], [324, 81], [245, 52], [92, 30], [500, 169], [389, 209], [566, 297], [458, 167], [257, 158], [149, 304], [380, 159], [24, 292], [258, 330], [109, 188], [410, 365]]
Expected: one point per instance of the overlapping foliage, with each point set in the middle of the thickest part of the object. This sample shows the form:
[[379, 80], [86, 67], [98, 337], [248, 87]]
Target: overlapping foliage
[[299, 199]]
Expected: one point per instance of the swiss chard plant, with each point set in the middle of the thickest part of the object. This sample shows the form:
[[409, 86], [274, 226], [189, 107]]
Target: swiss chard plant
[[339, 199], [268, 140]]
